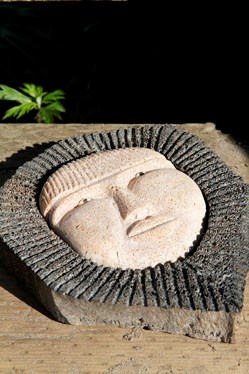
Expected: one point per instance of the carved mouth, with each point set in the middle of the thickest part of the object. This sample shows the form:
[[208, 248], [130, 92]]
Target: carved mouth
[[147, 224]]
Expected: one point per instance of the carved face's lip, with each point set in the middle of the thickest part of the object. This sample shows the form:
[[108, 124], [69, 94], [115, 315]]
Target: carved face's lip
[[149, 223]]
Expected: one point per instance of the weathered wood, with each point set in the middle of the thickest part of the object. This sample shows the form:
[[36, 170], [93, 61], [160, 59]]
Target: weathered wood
[[32, 342]]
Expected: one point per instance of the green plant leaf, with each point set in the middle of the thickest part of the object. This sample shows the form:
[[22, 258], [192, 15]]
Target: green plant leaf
[[33, 90], [36, 100], [49, 112], [44, 116], [20, 110], [54, 96], [47, 116], [8, 93], [57, 106], [56, 115]]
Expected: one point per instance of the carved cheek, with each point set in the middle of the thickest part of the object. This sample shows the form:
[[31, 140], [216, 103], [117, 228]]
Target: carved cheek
[[169, 191], [153, 188], [92, 229]]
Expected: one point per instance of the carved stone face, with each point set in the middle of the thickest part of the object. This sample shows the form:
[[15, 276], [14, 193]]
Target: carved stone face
[[126, 208]]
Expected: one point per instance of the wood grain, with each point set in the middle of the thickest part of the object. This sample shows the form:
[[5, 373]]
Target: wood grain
[[32, 342]]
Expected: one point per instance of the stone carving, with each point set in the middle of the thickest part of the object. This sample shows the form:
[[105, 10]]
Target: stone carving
[[127, 208], [200, 295]]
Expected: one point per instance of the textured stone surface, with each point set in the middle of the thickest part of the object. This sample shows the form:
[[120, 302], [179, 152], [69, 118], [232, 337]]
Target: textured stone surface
[[125, 208], [206, 289], [233, 153]]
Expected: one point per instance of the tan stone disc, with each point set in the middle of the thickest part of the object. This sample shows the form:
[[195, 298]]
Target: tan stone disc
[[126, 208]]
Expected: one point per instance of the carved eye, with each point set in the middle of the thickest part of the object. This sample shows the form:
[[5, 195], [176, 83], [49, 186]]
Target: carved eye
[[83, 201], [139, 174], [134, 180]]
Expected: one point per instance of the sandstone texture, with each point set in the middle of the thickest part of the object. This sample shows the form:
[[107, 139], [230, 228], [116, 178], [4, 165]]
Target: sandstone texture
[[125, 208]]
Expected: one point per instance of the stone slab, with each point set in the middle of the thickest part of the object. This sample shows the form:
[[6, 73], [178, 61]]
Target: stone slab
[[221, 311]]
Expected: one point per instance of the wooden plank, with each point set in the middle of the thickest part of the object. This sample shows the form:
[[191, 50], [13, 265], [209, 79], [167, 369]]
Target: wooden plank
[[32, 342]]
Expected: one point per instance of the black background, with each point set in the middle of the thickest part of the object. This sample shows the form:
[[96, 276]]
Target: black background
[[131, 62]]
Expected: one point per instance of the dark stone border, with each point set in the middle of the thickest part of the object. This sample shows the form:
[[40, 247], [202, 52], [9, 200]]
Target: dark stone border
[[212, 278]]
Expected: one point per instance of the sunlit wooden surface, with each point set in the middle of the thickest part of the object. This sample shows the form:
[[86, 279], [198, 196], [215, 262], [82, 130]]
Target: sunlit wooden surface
[[32, 342]]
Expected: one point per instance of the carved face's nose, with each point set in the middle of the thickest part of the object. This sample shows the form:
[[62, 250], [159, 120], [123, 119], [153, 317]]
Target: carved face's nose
[[131, 207]]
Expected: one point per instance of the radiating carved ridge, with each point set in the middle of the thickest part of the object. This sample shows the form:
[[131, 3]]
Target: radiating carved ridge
[[180, 285]]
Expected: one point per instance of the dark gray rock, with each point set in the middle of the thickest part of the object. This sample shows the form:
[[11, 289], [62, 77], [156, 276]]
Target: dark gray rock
[[199, 296]]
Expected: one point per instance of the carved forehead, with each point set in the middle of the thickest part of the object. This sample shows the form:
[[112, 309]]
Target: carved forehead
[[93, 168]]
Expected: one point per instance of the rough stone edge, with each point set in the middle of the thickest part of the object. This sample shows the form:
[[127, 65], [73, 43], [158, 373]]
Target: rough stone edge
[[218, 326], [223, 315]]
